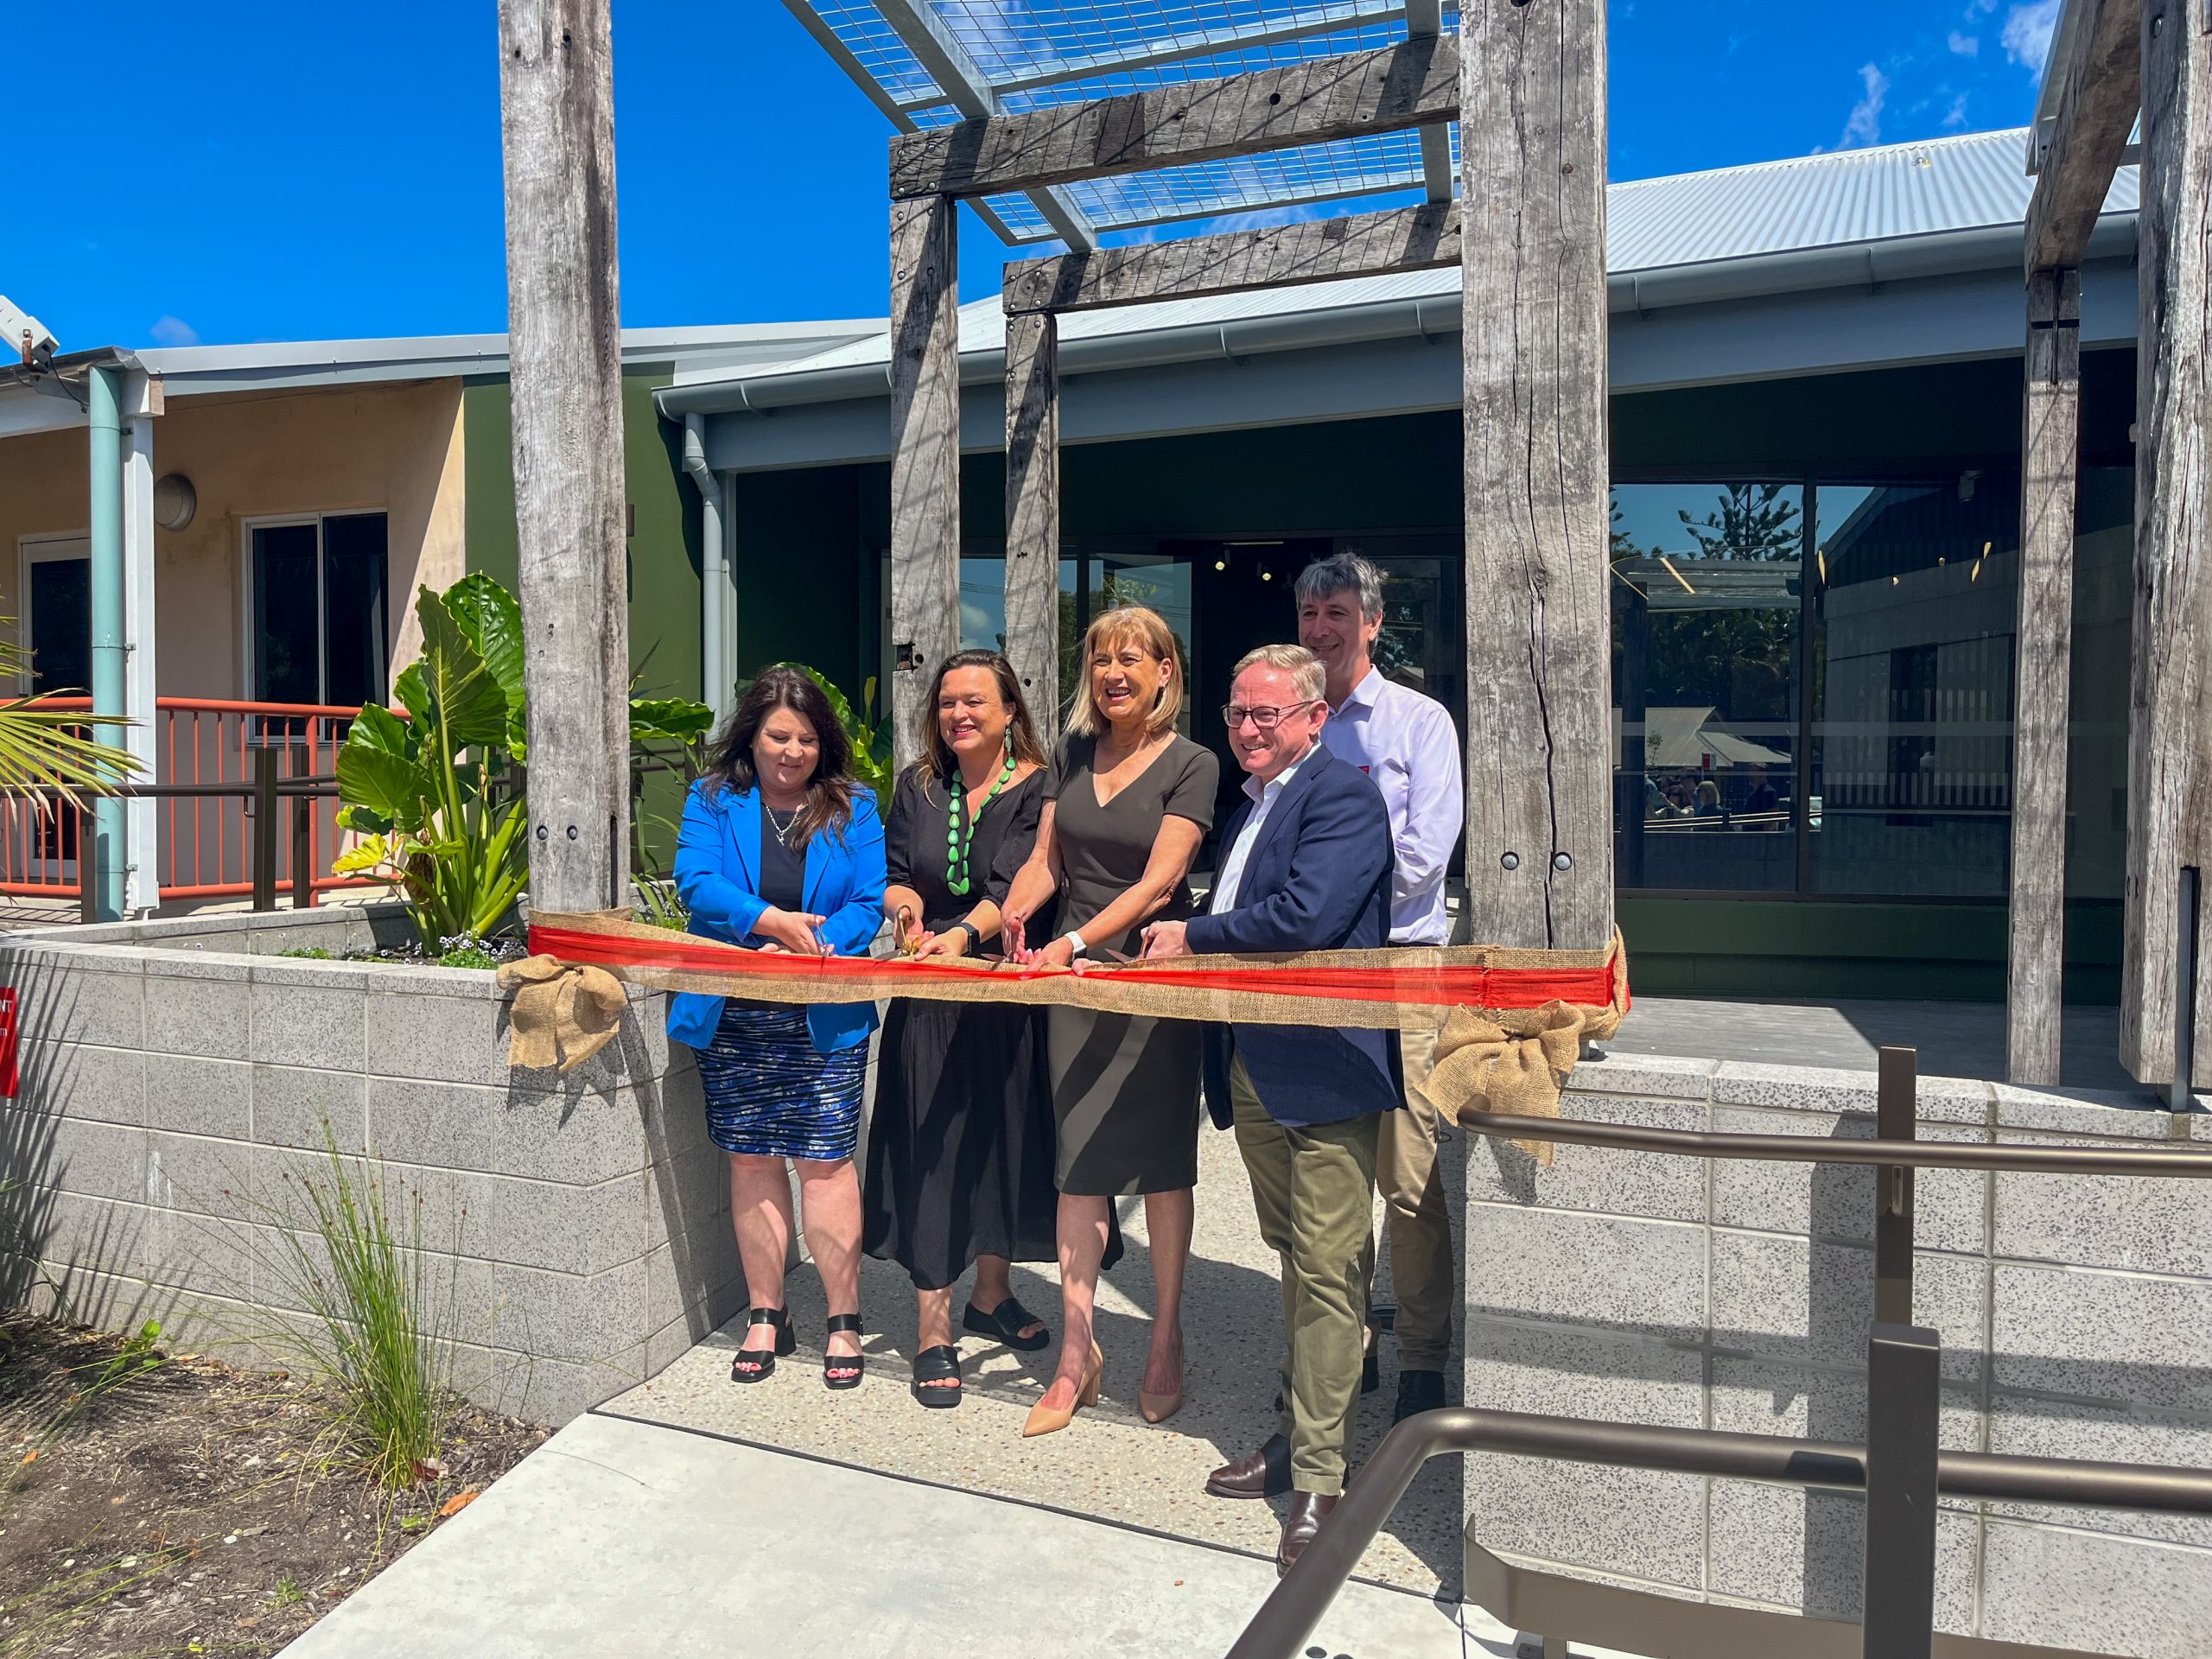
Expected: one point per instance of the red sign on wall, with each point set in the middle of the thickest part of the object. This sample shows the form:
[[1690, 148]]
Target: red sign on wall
[[8, 1041]]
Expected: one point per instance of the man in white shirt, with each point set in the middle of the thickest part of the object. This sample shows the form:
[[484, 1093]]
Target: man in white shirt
[[1405, 743]]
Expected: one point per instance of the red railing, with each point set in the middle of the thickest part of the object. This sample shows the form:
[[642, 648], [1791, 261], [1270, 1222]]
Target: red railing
[[203, 846]]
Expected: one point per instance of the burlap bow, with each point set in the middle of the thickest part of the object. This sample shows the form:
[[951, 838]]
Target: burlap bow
[[1481, 1067], [562, 1016]]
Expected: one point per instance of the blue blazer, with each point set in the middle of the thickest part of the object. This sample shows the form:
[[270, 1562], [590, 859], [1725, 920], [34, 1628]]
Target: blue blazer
[[717, 871], [1319, 880]]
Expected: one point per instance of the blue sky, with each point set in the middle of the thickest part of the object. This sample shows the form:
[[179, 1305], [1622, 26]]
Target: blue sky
[[258, 170]]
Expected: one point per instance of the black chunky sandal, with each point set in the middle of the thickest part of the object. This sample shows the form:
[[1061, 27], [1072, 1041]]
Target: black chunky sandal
[[933, 1366], [1004, 1322], [843, 1371], [756, 1364]]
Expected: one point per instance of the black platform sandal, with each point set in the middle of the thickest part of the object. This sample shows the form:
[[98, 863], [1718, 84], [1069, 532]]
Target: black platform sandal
[[843, 1370], [1004, 1322], [756, 1364], [932, 1365]]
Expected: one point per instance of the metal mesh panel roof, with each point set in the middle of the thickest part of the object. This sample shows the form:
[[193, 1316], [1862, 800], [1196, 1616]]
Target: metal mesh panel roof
[[928, 63]]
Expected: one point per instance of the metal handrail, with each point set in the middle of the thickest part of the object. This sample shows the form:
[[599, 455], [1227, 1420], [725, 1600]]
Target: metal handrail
[[1291, 1613], [1815, 1149]]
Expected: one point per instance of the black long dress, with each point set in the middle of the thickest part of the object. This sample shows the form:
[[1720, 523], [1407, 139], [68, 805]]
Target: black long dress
[[960, 1144]]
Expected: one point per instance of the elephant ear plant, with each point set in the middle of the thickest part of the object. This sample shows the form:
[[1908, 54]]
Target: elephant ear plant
[[437, 798], [434, 796]]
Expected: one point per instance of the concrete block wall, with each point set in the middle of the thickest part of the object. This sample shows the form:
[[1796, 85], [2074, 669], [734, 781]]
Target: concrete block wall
[[2076, 1313], [176, 1080]]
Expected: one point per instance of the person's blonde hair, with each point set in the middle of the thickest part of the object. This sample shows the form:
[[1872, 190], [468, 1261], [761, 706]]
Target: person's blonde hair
[[1303, 668], [1150, 633]]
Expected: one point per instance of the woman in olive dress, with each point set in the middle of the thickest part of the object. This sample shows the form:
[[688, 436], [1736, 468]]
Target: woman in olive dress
[[960, 1143], [1127, 802]]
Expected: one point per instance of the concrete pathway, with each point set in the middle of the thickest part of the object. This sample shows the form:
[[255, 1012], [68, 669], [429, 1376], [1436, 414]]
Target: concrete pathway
[[1109, 1464], [621, 1538], [1955, 1039]]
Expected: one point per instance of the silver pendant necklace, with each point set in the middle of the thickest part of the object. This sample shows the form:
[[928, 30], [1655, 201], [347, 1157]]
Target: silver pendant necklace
[[782, 829]]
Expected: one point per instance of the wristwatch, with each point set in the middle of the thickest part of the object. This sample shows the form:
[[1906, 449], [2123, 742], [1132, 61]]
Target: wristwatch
[[1075, 938], [974, 937]]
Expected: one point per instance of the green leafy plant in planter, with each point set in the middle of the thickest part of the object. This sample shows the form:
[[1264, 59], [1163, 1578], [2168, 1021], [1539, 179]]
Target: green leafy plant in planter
[[658, 724], [433, 796], [437, 798]]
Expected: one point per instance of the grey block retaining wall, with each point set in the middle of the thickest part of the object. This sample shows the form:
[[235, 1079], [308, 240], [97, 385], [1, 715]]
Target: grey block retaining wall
[[2076, 1313], [176, 1076]]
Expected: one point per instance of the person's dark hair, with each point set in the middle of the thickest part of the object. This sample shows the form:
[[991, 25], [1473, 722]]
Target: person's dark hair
[[935, 760], [829, 792]]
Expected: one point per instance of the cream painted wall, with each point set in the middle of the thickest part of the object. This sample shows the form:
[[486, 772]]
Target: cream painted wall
[[392, 449]]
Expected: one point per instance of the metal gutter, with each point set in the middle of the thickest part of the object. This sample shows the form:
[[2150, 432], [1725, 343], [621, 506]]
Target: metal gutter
[[1855, 265], [717, 593]]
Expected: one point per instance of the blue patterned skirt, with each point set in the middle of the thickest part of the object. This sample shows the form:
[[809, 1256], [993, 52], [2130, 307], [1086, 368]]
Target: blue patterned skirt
[[769, 1094]]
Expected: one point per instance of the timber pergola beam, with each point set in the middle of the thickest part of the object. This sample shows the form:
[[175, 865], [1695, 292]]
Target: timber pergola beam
[[2100, 87], [1386, 90], [2097, 70], [1316, 250]]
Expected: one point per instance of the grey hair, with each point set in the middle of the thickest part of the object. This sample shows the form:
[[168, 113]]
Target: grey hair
[[1302, 665], [1338, 573]]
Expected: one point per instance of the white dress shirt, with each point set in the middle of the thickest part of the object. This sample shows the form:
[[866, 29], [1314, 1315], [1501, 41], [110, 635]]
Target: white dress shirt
[[1405, 743], [1232, 867]]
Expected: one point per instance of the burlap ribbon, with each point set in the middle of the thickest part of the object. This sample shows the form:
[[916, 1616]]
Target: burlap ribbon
[[1480, 1066], [1506, 1035], [562, 1016]]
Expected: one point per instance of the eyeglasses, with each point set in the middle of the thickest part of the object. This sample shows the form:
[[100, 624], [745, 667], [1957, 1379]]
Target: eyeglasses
[[1265, 719]]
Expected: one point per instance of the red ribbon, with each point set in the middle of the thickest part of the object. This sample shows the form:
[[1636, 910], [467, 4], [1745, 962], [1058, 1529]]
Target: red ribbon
[[1444, 987]]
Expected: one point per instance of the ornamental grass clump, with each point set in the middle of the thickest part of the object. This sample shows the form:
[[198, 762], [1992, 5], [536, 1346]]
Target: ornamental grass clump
[[379, 1330]]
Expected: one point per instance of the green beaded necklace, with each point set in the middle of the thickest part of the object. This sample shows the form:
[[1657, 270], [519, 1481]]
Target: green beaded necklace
[[960, 831]]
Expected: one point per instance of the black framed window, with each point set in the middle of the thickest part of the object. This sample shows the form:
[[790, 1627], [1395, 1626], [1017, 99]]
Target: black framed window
[[320, 602]]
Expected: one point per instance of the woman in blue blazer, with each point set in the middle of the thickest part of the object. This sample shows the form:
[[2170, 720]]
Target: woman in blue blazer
[[782, 850]]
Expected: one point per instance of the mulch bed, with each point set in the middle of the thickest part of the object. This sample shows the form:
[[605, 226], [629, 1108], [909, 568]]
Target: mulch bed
[[194, 1508]]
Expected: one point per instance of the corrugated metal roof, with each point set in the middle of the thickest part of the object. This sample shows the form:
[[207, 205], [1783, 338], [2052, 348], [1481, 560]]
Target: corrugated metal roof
[[1852, 195], [1849, 198]]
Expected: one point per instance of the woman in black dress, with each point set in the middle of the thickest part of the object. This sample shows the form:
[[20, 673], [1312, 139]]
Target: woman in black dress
[[960, 1144]]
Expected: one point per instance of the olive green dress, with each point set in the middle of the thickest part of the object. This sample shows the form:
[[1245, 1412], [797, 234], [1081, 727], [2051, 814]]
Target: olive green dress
[[1125, 1087]]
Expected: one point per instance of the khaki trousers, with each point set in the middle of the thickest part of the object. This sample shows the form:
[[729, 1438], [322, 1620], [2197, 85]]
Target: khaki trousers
[[1314, 1192], [1416, 1217]]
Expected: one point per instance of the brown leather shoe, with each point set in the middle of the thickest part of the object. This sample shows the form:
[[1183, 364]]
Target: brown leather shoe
[[1264, 1473], [1307, 1511]]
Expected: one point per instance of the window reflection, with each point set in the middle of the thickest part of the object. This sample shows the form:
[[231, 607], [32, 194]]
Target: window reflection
[[1914, 601], [1706, 607]]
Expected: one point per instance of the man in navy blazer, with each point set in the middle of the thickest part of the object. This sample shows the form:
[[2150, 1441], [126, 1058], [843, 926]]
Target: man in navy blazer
[[1306, 865]]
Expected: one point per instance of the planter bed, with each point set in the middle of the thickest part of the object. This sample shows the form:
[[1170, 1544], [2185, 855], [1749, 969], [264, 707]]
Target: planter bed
[[175, 1073]]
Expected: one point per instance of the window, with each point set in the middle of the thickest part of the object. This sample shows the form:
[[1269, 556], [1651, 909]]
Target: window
[[1813, 685], [318, 632], [1708, 605]]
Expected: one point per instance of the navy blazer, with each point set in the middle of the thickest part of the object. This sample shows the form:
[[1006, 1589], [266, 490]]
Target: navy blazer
[[1319, 880], [717, 871]]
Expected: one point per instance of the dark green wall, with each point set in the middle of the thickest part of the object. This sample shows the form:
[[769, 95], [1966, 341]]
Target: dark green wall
[[665, 549]]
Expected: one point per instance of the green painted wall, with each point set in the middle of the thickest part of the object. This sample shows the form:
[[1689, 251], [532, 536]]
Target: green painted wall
[[665, 549]]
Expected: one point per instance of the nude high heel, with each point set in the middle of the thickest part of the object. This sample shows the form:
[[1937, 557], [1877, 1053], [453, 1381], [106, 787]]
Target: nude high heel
[[1159, 1407], [1045, 1420]]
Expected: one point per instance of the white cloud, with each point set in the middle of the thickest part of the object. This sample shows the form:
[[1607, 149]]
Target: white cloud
[[1956, 118], [1967, 46], [1865, 126], [174, 331], [2027, 32]]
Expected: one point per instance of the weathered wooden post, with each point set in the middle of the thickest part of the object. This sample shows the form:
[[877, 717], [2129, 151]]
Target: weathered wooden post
[[925, 456], [557, 126], [1033, 513], [1532, 146], [2169, 723], [2097, 73]]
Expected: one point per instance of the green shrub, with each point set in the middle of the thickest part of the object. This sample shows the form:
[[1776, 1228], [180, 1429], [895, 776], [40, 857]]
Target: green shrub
[[378, 1332]]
